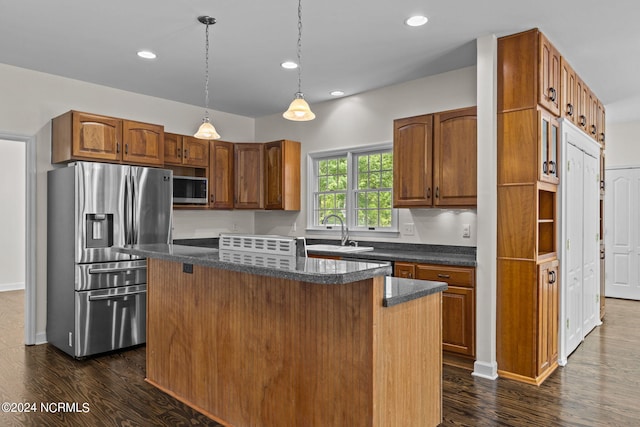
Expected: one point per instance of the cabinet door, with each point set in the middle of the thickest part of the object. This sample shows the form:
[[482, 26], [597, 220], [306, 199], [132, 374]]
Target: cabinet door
[[549, 76], [143, 143], [582, 92], [221, 175], [600, 123], [547, 316], [195, 152], [248, 176], [405, 270], [548, 142], [593, 116], [457, 328], [96, 137], [455, 158], [568, 92], [172, 149], [412, 161], [282, 175], [458, 305]]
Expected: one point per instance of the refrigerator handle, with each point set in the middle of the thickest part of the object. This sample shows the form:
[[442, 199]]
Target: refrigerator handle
[[134, 235], [127, 211]]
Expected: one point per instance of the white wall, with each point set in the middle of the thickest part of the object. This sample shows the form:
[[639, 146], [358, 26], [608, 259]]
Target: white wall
[[367, 118], [623, 144], [31, 99], [12, 215]]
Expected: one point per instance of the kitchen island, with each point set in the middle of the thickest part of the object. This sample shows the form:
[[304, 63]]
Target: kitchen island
[[251, 340]]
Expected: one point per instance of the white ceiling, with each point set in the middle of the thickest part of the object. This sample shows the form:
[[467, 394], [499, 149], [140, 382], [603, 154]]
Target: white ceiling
[[352, 45]]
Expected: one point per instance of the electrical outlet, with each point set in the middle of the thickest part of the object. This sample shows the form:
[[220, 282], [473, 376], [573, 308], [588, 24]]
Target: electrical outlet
[[234, 227], [466, 230], [407, 229]]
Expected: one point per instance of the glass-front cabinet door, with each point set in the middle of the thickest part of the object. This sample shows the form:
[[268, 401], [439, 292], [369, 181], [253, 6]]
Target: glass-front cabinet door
[[548, 139]]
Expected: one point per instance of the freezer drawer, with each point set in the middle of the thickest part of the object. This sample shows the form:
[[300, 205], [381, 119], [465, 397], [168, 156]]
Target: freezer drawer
[[110, 275], [110, 319]]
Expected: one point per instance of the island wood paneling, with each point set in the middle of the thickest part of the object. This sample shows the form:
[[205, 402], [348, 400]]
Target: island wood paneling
[[262, 351]]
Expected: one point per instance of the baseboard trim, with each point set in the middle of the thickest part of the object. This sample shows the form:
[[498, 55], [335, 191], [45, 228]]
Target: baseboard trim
[[41, 338], [5, 287], [485, 370]]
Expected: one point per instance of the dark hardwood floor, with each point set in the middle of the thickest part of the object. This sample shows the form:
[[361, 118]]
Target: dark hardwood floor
[[599, 386]]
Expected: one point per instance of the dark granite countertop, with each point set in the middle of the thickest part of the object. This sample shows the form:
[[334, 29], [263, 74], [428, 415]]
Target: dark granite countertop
[[383, 251], [313, 270], [398, 290]]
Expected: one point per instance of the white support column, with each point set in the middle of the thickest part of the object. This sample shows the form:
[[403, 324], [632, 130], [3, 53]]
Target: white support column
[[486, 271]]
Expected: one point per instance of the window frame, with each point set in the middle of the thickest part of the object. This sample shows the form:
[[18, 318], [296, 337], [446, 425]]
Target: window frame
[[351, 154]]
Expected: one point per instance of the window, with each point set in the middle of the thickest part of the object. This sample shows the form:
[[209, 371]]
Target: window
[[356, 186]]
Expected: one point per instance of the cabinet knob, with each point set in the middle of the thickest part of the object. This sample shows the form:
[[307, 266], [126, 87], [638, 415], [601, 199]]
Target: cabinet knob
[[583, 120], [213, 198], [186, 153], [593, 129], [178, 151], [552, 167], [444, 276], [602, 137], [552, 277], [437, 192], [429, 193], [117, 147], [126, 148], [552, 94]]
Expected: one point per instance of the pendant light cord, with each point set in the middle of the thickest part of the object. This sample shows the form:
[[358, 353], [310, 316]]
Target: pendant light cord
[[206, 73], [299, 45]]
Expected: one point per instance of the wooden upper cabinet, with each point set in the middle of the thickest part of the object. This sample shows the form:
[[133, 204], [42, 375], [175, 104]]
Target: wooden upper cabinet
[[549, 75], [412, 161], [568, 92], [172, 149], [221, 175], [195, 152], [143, 143], [183, 150], [83, 136], [548, 147], [593, 116], [249, 163], [455, 158], [282, 175], [582, 93], [601, 124], [528, 72]]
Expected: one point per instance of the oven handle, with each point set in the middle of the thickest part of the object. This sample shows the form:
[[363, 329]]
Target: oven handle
[[115, 296], [115, 270]]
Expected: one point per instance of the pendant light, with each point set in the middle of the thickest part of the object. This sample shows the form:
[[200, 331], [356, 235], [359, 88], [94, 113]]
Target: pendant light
[[299, 109], [206, 129]]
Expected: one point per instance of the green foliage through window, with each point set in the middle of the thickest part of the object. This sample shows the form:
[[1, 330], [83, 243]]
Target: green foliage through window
[[371, 190]]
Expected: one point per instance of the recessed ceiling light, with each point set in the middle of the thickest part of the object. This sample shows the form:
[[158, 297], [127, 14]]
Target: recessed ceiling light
[[337, 93], [416, 21], [146, 54], [289, 65]]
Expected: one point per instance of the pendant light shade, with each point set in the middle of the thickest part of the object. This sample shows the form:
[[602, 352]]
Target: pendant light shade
[[206, 129], [299, 110]]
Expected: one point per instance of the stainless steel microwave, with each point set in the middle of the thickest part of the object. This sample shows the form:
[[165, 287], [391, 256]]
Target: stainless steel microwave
[[190, 190]]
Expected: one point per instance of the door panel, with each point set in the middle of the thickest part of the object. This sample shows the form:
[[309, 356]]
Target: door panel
[[152, 205], [621, 233], [573, 263], [591, 245]]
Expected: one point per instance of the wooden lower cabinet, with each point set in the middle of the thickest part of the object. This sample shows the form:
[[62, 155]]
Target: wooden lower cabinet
[[527, 319], [458, 303]]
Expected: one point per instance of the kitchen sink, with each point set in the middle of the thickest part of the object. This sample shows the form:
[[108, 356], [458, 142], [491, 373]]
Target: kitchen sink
[[339, 249]]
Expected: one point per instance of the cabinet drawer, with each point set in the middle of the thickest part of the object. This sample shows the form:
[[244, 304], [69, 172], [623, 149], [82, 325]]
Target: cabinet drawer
[[457, 275]]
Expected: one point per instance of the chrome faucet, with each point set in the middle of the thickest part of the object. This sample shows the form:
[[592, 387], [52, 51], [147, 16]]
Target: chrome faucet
[[344, 231]]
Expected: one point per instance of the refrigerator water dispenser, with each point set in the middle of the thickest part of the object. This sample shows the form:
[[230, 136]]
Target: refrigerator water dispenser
[[99, 230]]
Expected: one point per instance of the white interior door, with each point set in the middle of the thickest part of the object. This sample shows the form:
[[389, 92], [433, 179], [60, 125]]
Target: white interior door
[[621, 233], [591, 244], [573, 255]]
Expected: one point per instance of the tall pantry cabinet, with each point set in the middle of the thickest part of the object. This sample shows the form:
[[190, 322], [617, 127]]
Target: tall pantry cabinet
[[539, 95], [528, 148]]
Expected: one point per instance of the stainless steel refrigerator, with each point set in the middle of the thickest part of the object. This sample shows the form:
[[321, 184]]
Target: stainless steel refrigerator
[[96, 297]]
